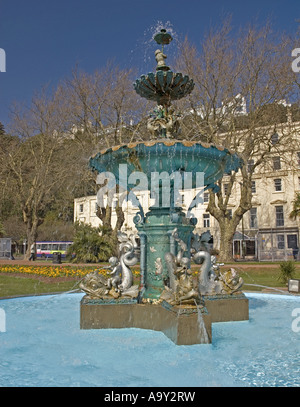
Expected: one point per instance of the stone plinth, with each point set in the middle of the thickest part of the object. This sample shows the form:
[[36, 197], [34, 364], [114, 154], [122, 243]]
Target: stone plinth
[[223, 308], [180, 325], [183, 325]]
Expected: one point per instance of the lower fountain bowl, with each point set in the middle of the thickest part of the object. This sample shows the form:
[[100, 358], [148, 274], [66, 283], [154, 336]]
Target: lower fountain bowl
[[168, 156]]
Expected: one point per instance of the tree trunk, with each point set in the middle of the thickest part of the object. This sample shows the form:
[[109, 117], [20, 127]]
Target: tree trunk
[[32, 222], [105, 215], [227, 230], [31, 236]]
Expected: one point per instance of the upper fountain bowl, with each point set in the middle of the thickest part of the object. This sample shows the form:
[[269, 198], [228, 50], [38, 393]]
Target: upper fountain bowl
[[164, 86]]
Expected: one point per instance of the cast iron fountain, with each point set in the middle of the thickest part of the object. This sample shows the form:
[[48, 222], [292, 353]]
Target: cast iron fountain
[[168, 298]]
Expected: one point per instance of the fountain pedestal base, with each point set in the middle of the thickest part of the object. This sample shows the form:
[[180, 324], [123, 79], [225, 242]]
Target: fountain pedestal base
[[183, 325], [224, 308]]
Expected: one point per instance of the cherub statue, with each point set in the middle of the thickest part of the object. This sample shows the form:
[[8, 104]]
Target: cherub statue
[[116, 273], [160, 59]]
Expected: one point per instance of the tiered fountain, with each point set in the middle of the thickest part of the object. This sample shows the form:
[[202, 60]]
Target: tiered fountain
[[168, 298]]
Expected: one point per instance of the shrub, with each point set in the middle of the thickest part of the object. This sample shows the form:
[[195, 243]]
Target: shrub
[[90, 245], [287, 270]]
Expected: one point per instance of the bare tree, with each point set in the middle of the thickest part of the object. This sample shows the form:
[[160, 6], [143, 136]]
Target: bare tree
[[241, 82], [105, 111], [34, 159], [105, 106]]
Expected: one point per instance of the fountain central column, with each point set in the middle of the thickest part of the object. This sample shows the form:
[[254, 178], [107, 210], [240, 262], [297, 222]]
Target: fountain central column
[[156, 229]]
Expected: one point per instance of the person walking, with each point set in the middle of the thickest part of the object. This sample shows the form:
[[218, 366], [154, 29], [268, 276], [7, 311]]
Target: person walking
[[32, 252]]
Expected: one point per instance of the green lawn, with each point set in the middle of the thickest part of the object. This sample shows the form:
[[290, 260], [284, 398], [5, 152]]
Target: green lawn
[[252, 273], [262, 274], [14, 286]]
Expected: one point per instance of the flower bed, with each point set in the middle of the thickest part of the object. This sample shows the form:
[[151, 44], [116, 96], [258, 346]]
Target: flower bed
[[47, 271], [54, 271]]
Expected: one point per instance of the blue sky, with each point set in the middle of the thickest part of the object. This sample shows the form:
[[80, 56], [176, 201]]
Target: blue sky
[[45, 39]]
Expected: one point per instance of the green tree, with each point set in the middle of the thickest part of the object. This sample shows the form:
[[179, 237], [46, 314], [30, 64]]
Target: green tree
[[90, 245], [55, 227], [296, 207]]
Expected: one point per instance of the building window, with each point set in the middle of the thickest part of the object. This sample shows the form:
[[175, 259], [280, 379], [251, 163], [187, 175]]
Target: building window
[[276, 163], [81, 208], [250, 165], [206, 197], [253, 187], [279, 216], [274, 139], [292, 243], [206, 220], [280, 241], [253, 218], [277, 184]]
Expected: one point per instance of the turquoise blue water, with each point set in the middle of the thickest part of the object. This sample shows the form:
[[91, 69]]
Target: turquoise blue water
[[43, 346]]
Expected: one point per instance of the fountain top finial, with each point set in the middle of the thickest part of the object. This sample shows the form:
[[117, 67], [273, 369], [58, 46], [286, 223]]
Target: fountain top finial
[[163, 37], [163, 86]]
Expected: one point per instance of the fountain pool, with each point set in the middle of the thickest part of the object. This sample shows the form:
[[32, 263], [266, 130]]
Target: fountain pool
[[43, 346]]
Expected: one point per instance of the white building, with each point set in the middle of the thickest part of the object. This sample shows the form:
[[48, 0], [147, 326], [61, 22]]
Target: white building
[[85, 209], [266, 232]]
